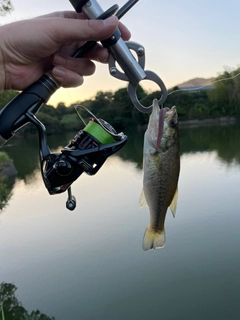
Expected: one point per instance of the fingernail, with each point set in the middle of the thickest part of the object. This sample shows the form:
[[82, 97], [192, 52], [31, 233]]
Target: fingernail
[[105, 58], [59, 59], [58, 72], [110, 20]]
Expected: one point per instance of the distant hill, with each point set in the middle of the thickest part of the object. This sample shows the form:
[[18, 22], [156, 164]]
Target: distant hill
[[196, 82]]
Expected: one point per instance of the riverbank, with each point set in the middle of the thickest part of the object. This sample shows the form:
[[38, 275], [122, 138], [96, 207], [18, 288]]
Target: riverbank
[[222, 121]]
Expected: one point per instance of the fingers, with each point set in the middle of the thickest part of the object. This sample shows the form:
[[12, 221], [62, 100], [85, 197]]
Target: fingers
[[100, 54], [126, 34], [70, 71], [75, 27], [63, 14], [71, 30], [67, 78]]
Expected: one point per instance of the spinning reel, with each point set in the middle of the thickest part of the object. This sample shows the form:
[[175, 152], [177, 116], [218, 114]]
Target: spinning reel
[[87, 152]]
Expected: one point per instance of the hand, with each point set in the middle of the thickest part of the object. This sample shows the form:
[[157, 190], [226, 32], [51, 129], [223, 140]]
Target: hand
[[29, 48]]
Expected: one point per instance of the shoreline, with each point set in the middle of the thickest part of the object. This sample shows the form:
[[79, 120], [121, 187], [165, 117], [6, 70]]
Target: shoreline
[[222, 121]]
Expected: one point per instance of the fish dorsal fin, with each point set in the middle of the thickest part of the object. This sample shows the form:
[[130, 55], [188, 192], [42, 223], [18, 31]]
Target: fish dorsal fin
[[173, 205], [142, 201]]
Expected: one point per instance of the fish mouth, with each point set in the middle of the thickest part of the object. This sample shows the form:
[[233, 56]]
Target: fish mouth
[[171, 116], [161, 118], [168, 115]]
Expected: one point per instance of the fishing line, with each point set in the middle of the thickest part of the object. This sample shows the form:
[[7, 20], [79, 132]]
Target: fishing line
[[76, 107], [206, 85], [70, 95], [99, 133]]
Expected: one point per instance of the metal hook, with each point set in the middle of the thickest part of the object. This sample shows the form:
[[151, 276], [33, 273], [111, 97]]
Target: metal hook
[[132, 92]]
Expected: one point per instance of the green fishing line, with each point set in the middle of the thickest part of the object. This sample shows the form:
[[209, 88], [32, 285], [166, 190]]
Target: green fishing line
[[3, 318], [98, 132]]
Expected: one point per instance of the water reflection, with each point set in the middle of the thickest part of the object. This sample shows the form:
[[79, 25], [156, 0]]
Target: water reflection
[[88, 264], [133, 150], [222, 139], [5, 192], [12, 309], [7, 179], [25, 152]]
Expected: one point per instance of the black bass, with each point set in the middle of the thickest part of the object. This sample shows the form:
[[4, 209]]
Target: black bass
[[161, 166]]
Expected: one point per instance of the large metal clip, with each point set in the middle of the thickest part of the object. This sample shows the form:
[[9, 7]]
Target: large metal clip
[[134, 71]]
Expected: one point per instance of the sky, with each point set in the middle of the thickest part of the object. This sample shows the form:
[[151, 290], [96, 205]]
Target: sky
[[182, 40]]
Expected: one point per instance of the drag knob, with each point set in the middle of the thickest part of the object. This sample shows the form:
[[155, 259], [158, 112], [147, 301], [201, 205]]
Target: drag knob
[[63, 167]]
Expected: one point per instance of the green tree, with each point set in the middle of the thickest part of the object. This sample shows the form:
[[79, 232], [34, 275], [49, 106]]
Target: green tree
[[226, 96], [7, 96], [60, 110], [5, 192], [70, 122], [5, 7], [5, 188]]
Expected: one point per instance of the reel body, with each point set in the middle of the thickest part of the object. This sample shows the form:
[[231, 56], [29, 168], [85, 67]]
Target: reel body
[[87, 152]]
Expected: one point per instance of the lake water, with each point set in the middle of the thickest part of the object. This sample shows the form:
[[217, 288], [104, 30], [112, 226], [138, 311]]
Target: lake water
[[89, 264]]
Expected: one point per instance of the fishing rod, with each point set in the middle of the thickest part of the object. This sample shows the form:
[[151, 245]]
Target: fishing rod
[[90, 148]]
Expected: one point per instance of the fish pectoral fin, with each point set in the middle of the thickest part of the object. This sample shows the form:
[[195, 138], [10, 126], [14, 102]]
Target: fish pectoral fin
[[173, 205], [142, 201], [153, 239]]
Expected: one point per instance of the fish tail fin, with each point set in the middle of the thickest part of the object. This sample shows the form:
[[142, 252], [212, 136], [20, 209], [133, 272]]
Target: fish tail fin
[[153, 239]]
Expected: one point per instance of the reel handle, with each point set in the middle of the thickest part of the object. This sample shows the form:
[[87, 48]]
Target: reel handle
[[71, 201]]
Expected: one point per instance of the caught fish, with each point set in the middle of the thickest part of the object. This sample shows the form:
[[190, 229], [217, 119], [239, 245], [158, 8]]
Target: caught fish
[[161, 166]]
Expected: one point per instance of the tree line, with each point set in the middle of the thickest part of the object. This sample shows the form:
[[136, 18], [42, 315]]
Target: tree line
[[117, 109], [12, 308]]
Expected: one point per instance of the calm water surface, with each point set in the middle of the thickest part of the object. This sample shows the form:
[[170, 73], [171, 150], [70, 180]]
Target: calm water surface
[[88, 264]]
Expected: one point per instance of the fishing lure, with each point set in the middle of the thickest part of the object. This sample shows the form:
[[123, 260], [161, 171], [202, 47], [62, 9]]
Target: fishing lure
[[90, 148]]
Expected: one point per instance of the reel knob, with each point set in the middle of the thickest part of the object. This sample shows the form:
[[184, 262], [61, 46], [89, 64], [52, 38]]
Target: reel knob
[[63, 167], [71, 203]]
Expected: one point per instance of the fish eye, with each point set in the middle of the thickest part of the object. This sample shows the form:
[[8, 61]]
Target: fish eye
[[172, 123]]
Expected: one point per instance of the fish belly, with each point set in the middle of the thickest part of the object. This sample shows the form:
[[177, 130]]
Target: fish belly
[[159, 186]]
